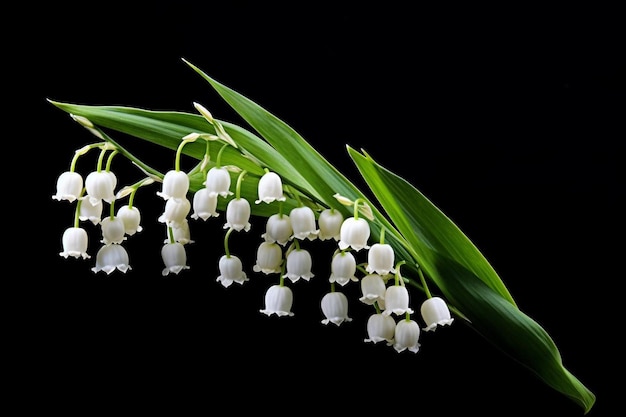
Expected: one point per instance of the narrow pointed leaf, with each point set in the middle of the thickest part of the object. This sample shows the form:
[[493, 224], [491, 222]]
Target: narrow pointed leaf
[[461, 273]]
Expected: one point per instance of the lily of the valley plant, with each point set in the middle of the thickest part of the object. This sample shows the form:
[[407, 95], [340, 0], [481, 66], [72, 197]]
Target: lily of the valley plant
[[415, 267]]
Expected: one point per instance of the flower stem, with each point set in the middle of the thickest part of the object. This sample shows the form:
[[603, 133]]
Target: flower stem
[[110, 160], [80, 152], [122, 151], [77, 211], [179, 151], [226, 251], [170, 234], [377, 307], [398, 277], [423, 280], [101, 158], [242, 174], [356, 208], [218, 160]]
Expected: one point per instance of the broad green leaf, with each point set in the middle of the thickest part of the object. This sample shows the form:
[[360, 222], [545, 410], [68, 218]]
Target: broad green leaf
[[458, 269]]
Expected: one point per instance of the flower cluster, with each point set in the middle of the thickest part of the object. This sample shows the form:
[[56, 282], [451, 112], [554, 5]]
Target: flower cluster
[[282, 250]]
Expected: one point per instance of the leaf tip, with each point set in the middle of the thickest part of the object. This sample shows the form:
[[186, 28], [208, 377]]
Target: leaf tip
[[368, 156]]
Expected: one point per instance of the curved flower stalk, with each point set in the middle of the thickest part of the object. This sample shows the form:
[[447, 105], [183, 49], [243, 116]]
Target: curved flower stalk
[[434, 253]]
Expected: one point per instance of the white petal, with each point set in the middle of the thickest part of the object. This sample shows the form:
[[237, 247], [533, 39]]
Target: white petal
[[278, 229], [354, 234], [111, 257], [270, 188], [100, 186], [69, 186], [278, 300], [269, 258], [397, 300], [175, 185], [238, 214], [343, 268], [373, 289], [231, 270], [204, 204], [380, 328], [335, 308], [435, 313], [406, 336], [218, 181], [329, 222], [299, 265], [380, 258], [75, 243], [303, 223], [174, 257]]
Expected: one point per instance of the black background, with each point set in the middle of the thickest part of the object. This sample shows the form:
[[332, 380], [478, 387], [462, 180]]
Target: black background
[[509, 120]]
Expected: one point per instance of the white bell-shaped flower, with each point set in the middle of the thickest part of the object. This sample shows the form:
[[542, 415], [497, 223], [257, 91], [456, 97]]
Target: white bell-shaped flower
[[270, 188], [89, 211], [69, 186], [269, 257], [176, 211], [231, 270], [397, 300], [113, 178], [380, 328], [329, 223], [354, 234], [75, 242], [100, 185], [343, 268], [204, 204], [373, 289], [218, 181], [380, 259], [435, 312], [335, 308], [110, 258], [181, 233], [303, 223], [278, 229], [112, 230], [278, 300], [175, 185], [174, 258], [406, 336], [238, 214], [299, 263], [131, 217]]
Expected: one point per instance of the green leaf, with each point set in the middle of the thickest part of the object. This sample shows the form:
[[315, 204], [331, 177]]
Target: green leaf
[[417, 230], [449, 258], [466, 279]]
